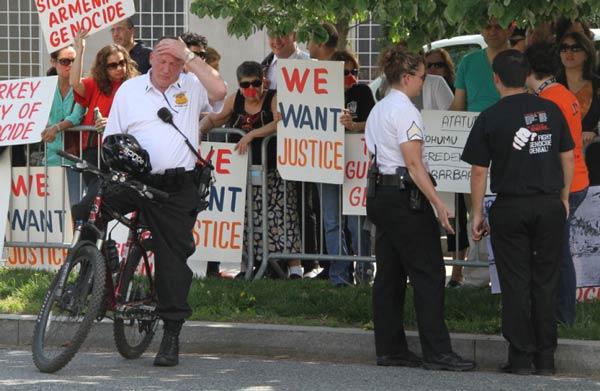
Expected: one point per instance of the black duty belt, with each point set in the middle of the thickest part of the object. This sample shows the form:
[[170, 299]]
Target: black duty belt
[[388, 180], [171, 180]]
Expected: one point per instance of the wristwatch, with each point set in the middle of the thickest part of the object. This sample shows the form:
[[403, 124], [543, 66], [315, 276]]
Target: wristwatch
[[190, 56]]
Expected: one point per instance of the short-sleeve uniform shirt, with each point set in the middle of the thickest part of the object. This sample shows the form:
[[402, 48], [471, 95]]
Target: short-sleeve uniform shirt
[[522, 136], [393, 121], [474, 76], [134, 112]]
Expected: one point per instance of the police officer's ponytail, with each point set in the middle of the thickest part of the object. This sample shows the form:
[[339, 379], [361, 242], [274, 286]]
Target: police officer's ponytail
[[397, 61]]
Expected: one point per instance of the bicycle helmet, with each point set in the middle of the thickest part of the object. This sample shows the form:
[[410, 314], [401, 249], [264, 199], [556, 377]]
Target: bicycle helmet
[[122, 152]]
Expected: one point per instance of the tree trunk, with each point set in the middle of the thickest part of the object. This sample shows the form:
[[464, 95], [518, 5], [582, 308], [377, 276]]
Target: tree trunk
[[342, 26]]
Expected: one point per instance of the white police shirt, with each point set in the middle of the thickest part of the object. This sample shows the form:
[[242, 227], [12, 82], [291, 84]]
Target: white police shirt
[[393, 121], [134, 111]]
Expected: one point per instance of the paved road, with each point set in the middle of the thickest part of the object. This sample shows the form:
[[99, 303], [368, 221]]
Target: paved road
[[107, 371]]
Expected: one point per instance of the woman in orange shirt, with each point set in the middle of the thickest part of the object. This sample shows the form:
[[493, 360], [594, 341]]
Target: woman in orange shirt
[[543, 83]]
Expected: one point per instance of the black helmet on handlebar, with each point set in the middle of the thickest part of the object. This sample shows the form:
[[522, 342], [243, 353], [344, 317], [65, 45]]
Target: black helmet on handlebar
[[122, 152]]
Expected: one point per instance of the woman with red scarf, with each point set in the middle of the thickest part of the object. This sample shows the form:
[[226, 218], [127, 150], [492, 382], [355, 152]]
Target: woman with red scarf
[[252, 109]]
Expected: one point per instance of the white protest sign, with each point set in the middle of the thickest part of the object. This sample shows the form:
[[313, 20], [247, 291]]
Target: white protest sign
[[310, 137], [24, 109], [39, 211], [60, 20], [219, 231], [446, 134], [4, 192], [354, 189], [585, 239]]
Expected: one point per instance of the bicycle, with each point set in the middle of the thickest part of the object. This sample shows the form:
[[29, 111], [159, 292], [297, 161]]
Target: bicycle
[[93, 282]]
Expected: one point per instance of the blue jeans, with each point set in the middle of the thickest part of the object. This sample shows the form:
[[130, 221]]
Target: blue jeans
[[567, 284], [355, 224], [330, 214]]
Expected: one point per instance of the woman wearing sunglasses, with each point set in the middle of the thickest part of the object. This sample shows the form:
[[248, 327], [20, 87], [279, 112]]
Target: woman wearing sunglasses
[[252, 109], [577, 64], [111, 67], [438, 62], [65, 113]]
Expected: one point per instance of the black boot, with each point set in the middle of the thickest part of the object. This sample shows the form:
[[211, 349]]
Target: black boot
[[168, 353]]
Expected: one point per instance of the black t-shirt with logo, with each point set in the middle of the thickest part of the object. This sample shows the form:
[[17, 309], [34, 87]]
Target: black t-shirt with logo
[[522, 135], [359, 102]]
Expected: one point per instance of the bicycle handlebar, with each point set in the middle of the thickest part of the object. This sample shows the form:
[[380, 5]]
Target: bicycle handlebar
[[116, 177]]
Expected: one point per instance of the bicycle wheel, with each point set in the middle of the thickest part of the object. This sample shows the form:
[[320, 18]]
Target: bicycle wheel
[[136, 318], [68, 313]]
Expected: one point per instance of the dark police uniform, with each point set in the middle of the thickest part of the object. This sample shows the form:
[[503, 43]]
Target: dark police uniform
[[407, 241], [522, 136], [171, 222]]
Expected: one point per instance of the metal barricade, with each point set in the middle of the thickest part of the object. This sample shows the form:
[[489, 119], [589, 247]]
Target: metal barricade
[[271, 258]]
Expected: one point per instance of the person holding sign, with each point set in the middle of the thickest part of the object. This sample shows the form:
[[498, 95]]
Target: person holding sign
[[526, 141], [64, 114], [400, 195], [111, 67], [137, 111], [251, 109]]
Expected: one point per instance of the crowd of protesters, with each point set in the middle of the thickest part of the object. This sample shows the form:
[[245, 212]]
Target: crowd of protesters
[[561, 66]]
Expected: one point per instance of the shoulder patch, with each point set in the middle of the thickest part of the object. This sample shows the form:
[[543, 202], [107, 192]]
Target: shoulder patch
[[414, 132]]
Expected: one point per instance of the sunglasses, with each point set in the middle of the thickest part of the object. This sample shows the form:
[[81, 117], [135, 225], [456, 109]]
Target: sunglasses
[[254, 83], [65, 61], [351, 71], [115, 65], [200, 54], [575, 48], [437, 65]]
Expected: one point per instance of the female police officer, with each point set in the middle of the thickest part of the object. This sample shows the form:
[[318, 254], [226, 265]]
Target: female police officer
[[407, 240]]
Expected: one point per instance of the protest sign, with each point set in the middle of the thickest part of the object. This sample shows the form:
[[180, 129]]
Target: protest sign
[[60, 20], [310, 137], [24, 109], [585, 239], [219, 231], [446, 134], [39, 211], [354, 189]]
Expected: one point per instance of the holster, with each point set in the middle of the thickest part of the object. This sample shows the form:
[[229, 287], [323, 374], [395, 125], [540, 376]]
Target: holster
[[416, 198], [372, 175], [203, 180]]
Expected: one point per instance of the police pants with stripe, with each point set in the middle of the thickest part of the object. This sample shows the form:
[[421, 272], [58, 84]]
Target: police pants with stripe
[[527, 238], [407, 244], [171, 222]]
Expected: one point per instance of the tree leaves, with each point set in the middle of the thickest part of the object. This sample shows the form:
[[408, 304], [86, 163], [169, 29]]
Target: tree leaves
[[417, 22]]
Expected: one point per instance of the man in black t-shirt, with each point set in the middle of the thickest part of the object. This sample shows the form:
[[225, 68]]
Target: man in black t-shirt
[[527, 141]]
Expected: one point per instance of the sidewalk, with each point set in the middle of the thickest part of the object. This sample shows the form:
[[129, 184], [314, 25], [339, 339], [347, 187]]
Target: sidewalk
[[573, 357]]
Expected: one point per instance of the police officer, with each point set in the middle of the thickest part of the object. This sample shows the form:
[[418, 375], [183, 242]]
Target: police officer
[[407, 240], [527, 142], [134, 112]]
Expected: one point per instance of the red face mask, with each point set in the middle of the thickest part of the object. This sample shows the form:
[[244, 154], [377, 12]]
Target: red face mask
[[350, 80], [250, 92]]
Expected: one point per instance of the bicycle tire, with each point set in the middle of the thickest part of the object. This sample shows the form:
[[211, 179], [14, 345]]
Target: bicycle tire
[[135, 290], [78, 304]]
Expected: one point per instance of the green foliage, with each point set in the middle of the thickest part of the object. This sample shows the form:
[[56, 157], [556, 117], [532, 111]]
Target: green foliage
[[417, 22]]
